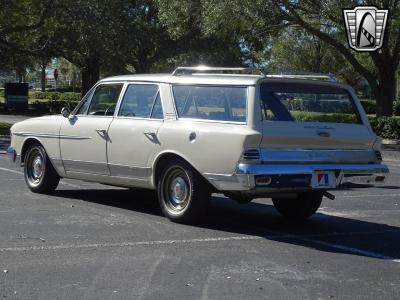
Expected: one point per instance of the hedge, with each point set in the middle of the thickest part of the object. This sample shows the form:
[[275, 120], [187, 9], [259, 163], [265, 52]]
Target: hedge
[[386, 127], [68, 96]]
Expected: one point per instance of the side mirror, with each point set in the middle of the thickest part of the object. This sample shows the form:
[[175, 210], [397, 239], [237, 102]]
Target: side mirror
[[65, 112]]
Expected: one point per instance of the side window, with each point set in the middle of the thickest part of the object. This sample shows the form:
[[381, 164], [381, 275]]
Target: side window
[[104, 100], [217, 103], [157, 112], [84, 105], [138, 100]]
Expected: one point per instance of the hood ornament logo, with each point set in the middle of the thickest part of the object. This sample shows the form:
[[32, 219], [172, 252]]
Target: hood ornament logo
[[365, 27]]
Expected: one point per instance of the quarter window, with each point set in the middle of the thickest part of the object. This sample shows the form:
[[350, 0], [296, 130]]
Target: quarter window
[[104, 100], [211, 102], [139, 100]]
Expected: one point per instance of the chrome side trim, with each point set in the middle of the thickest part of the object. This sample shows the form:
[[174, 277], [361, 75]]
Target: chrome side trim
[[86, 167], [297, 156], [129, 171], [51, 136]]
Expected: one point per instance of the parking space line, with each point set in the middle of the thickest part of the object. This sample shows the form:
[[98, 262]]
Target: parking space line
[[129, 244], [381, 195], [351, 249], [61, 182]]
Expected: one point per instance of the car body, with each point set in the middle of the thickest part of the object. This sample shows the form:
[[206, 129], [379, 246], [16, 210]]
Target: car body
[[238, 134]]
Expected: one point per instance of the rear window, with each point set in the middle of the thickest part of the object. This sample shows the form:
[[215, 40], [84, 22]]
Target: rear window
[[218, 103], [307, 103]]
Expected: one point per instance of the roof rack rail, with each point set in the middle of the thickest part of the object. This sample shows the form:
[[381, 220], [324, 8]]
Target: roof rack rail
[[203, 70], [207, 70], [305, 75]]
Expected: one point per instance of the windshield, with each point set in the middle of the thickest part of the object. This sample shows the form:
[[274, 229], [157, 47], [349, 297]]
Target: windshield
[[307, 103]]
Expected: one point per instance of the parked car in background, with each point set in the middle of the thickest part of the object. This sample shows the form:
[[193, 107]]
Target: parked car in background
[[198, 131]]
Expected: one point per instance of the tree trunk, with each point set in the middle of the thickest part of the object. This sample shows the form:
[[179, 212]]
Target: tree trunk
[[385, 93], [90, 74]]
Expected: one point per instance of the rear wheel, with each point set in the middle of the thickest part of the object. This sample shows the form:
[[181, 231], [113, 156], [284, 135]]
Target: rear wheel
[[303, 207], [39, 173], [182, 193]]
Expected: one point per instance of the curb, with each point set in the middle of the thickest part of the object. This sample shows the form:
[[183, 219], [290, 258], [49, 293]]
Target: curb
[[390, 142]]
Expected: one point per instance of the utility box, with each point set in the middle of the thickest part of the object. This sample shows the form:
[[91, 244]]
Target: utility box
[[16, 95]]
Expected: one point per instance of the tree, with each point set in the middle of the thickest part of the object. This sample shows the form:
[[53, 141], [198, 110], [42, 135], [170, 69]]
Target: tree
[[256, 19]]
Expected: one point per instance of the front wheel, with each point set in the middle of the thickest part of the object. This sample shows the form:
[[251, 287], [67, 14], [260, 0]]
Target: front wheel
[[39, 173], [302, 207], [182, 193]]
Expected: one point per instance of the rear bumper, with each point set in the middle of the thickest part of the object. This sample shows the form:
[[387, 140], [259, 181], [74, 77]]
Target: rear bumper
[[244, 177], [13, 156]]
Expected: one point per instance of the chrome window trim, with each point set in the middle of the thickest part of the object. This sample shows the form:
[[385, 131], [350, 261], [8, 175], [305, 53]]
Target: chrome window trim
[[127, 84], [90, 93], [171, 85], [348, 92]]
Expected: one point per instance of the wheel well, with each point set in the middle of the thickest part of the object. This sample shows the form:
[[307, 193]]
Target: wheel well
[[26, 146], [166, 158]]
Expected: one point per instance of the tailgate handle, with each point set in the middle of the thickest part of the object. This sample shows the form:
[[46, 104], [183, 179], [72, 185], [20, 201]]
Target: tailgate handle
[[323, 134]]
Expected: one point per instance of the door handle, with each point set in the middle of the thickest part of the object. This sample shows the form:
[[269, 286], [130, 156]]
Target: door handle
[[150, 133], [102, 133]]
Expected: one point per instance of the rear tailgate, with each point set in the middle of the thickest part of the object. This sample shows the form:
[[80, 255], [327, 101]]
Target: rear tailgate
[[303, 115]]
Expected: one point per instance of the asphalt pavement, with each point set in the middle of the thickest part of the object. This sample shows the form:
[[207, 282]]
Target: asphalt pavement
[[90, 241]]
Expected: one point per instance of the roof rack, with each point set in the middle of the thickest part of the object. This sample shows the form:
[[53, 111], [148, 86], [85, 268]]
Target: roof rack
[[209, 70], [311, 76], [204, 70]]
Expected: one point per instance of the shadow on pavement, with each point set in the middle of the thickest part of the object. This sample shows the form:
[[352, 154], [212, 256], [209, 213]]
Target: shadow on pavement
[[258, 219]]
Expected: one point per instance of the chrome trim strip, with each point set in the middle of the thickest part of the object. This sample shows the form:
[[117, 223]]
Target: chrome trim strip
[[309, 169], [51, 136], [86, 167], [129, 171], [317, 156]]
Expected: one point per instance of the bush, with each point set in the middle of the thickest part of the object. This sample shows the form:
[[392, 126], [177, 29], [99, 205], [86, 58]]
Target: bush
[[386, 127], [369, 106], [396, 107], [69, 96]]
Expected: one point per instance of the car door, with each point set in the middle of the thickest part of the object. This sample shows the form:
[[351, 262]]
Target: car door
[[83, 136], [133, 132]]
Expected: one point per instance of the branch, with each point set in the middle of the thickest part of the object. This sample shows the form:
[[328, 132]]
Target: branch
[[291, 13]]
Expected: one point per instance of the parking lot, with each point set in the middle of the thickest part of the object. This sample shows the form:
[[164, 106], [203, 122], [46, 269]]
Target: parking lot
[[96, 242]]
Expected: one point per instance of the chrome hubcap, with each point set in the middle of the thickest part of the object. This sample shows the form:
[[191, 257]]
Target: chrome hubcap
[[37, 167], [176, 190]]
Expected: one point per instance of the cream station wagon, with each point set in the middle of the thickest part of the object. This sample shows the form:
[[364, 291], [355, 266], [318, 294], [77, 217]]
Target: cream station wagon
[[203, 130]]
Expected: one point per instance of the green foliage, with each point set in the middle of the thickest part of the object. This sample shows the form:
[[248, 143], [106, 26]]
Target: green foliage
[[369, 106], [324, 117], [396, 107], [68, 96], [386, 127]]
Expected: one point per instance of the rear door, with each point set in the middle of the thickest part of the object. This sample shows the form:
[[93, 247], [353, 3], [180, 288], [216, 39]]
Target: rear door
[[308, 115], [133, 132]]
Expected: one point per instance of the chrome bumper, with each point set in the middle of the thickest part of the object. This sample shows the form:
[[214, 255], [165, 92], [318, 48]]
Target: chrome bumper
[[244, 177], [12, 155]]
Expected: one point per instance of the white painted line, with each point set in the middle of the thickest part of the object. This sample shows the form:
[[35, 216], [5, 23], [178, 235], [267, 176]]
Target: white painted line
[[11, 171], [351, 249], [362, 196], [129, 244], [61, 182]]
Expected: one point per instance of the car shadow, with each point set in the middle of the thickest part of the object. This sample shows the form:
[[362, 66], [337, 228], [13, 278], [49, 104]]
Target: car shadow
[[323, 232]]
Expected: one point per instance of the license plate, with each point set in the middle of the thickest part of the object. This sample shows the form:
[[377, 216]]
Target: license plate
[[323, 180]]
